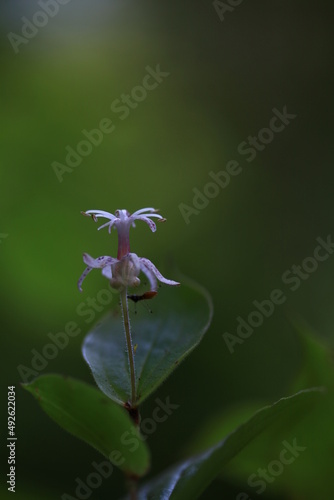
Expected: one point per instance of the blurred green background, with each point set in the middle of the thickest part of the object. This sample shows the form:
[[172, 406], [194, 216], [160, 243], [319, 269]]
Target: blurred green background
[[225, 77]]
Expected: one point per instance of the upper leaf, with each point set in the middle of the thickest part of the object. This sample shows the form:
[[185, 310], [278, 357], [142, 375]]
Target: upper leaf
[[180, 318], [83, 411]]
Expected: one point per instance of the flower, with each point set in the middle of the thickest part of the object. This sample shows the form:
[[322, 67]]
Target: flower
[[123, 272]]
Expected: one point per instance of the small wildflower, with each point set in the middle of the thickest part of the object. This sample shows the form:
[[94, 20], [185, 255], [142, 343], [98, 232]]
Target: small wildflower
[[123, 272]]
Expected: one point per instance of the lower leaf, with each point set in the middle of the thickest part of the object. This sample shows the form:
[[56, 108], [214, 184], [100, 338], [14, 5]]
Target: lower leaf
[[89, 415]]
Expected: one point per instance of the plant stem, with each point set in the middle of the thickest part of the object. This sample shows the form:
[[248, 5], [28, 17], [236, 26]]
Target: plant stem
[[132, 483], [133, 494], [131, 357]]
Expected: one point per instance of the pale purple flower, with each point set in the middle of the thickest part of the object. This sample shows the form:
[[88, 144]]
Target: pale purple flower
[[123, 272]]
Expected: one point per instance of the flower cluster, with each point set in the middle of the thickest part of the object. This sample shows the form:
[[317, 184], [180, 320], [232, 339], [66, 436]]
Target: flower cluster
[[123, 271]]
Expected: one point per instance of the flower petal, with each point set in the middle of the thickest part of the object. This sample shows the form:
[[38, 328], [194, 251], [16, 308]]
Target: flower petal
[[107, 272], [83, 276], [109, 223], [151, 267], [102, 261], [101, 213], [150, 275], [149, 222], [143, 210]]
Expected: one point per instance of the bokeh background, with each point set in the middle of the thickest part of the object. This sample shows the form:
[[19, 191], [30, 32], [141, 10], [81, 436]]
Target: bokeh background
[[225, 77]]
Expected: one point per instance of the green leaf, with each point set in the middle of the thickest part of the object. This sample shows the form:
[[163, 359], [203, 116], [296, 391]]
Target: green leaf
[[189, 479], [86, 413], [308, 477], [317, 363], [180, 318]]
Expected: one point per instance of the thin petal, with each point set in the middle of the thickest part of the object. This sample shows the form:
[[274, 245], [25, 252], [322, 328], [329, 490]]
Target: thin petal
[[105, 262], [83, 276], [101, 213], [106, 272], [110, 224], [160, 217], [156, 215], [102, 261], [143, 210], [149, 222], [151, 267], [138, 215], [150, 276]]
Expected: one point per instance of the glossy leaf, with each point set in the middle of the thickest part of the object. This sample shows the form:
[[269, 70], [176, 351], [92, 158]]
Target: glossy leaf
[[86, 413], [311, 476], [180, 318], [189, 479], [308, 477]]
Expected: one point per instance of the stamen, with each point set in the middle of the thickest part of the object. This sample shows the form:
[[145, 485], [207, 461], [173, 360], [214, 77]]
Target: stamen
[[90, 215]]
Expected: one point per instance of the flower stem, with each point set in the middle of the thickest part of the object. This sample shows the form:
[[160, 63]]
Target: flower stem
[[131, 357], [132, 484], [133, 492]]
